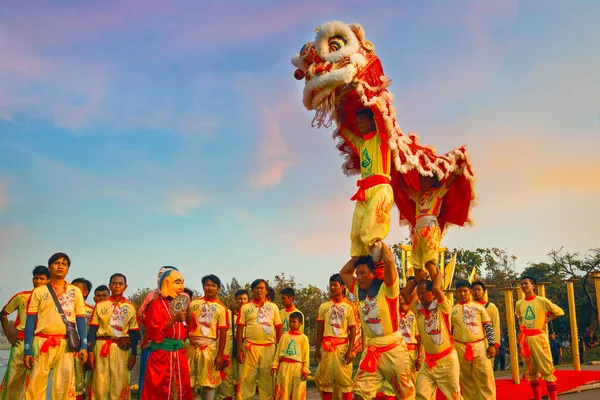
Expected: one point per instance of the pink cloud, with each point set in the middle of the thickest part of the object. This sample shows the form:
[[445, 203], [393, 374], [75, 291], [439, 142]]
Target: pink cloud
[[184, 201], [274, 157]]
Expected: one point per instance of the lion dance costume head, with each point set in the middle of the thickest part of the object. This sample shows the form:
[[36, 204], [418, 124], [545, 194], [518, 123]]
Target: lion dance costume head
[[342, 75]]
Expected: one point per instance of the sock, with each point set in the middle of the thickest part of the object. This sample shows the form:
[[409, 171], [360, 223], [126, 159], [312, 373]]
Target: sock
[[552, 390], [208, 393], [376, 251], [327, 395], [537, 389]]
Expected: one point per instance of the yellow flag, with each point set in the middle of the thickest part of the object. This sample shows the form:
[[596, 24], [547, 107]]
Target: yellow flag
[[473, 276], [449, 272]]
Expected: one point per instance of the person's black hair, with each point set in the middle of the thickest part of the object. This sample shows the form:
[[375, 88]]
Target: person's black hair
[[58, 256], [257, 282], [365, 111], [101, 288], [427, 283], [368, 260], [480, 284], [297, 315], [462, 283], [271, 294], [189, 292], [337, 278], [213, 278], [410, 278], [41, 270], [529, 277], [288, 291], [87, 283], [241, 292], [115, 275]]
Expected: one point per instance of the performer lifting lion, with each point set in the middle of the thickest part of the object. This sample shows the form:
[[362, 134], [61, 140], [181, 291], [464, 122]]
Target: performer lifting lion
[[345, 84]]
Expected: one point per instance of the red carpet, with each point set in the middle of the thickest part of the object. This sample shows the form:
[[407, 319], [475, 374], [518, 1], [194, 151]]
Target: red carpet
[[567, 380]]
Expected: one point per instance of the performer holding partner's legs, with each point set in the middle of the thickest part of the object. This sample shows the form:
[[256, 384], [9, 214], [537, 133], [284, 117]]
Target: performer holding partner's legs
[[534, 313], [386, 358], [440, 367]]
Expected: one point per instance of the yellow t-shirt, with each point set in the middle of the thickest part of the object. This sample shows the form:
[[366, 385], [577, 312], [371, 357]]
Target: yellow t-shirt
[[294, 346], [285, 318], [114, 319], [428, 202], [434, 325], [210, 316], [468, 320], [375, 159], [18, 303], [379, 315], [337, 318], [260, 322], [89, 310], [48, 319], [532, 311], [495, 317], [408, 327]]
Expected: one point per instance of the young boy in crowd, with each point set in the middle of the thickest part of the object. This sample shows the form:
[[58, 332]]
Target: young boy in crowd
[[288, 296], [226, 390], [114, 335], [14, 378], [101, 293], [291, 362], [85, 286]]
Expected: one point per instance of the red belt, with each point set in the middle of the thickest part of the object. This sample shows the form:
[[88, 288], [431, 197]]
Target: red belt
[[52, 341], [432, 359], [330, 343], [249, 344], [369, 363], [288, 360], [525, 350], [469, 356], [21, 335], [411, 346], [367, 183]]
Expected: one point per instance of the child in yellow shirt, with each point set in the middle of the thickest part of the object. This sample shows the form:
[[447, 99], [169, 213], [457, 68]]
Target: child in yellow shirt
[[291, 362]]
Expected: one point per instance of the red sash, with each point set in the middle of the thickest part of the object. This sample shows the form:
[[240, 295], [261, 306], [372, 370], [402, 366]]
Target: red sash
[[432, 359], [369, 363], [525, 350], [469, 356], [367, 183], [52, 341], [330, 343]]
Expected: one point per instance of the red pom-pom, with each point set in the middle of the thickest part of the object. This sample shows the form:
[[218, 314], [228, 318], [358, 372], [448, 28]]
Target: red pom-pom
[[299, 74]]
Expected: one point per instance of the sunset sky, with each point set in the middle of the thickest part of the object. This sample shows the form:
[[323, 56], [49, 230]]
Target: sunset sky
[[142, 133]]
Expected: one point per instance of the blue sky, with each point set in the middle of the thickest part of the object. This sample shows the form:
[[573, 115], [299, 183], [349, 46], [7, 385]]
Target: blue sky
[[143, 133]]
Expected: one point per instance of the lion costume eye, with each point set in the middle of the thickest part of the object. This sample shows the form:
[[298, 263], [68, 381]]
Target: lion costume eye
[[336, 43]]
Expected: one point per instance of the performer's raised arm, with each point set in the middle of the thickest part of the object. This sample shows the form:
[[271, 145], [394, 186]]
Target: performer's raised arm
[[347, 273], [390, 275], [437, 279]]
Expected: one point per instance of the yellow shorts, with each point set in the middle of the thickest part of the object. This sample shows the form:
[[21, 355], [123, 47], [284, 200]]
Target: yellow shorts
[[444, 375], [426, 243], [371, 219], [333, 374], [539, 364]]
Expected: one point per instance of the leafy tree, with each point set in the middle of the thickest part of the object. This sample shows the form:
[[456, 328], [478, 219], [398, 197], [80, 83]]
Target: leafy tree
[[138, 297]]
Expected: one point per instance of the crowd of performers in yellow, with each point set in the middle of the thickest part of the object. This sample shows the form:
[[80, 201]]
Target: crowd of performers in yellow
[[414, 340]]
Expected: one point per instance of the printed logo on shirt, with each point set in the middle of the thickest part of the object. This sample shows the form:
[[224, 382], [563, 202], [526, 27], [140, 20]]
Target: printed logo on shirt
[[206, 317], [529, 314], [291, 349], [371, 316], [336, 319]]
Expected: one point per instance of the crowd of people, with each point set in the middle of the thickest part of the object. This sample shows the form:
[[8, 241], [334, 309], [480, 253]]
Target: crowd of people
[[412, 340]]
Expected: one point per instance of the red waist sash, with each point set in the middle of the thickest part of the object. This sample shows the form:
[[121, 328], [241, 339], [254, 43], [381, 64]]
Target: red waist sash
[[432, 359], [469, 356], [330, 343], [369, 363], [367, 183], [525, 350], [52, 341]]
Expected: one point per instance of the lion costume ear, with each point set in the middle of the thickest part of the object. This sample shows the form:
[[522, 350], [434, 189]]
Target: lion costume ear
[[358, 31]]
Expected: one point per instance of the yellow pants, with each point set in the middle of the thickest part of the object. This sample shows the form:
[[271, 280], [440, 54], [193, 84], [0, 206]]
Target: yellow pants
[[426, 242], [392, 367], [258, 361], [227, 387], [202, 366], [412, 359], [111, 375], [444, 375], [333, 374], [61, 362], [371, 219], [540, 361], [14, 378], [476, 377], [289, 383]]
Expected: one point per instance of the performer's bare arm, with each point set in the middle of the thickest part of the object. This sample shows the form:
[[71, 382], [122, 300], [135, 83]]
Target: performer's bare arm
[[350, 353], [319, 341], [409, 291], [10, 335], [390, 275], [239, 336], [347, 273], [278, 332], [220, 363], [418, 360], [436, 277]]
